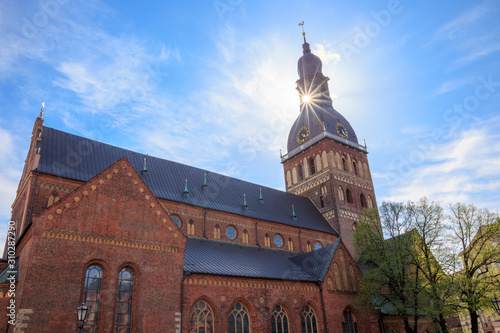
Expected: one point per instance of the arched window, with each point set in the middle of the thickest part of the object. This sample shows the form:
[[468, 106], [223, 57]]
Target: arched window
[[278, 240], [344, 166], [300, 172], [294, 175], [341, 193], [353, 279], [308, 246], [279, 320], [323, 189], [290, 244], [177, 220], [318, 162], [308, 320], [349, 324], [370, 202], [53, 198], [324, 160], [317, 245], [322, 202], [217, 232], [231, 232], [343, 269], [329, 283], [288, 178], [92, 296], [202, 318], [313, 168], [245, 236], [191, 228], [239, 321], [362, 198], [348, 195], [267, 240], [123, 316], [338, 284], [354, 168]]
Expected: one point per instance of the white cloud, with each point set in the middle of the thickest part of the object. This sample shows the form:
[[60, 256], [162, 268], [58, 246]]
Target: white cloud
[[448, 86], [465, 169], [326, 55]]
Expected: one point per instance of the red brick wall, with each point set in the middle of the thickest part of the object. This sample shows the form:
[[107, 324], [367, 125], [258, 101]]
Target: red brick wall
[[259, 296], [114, 221]]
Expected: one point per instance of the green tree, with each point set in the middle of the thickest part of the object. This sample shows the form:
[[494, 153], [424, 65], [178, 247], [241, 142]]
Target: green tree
[[430, 256], [390, 282], [475, 233]]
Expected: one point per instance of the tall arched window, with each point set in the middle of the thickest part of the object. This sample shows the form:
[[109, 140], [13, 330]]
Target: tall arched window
[[290, 244], [349, 324], [267, 240], [343, 269], [308, 246], [279, 320], [362, 198], [323, 189], [370, 202], [245, 236], [353, 279], [308, 320], [202, 318], [217, 232], [313, 167], [123, 315], [92, 296], [300, 172], [344, 165], [191, 228], [341, 193], [239, 321], [354, 168], [336, 273], [348, 195]]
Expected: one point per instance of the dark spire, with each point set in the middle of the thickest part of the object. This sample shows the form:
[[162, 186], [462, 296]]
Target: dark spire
[[305, 47]]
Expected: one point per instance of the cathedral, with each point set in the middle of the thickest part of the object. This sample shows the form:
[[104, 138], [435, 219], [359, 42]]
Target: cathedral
[[151, 245]]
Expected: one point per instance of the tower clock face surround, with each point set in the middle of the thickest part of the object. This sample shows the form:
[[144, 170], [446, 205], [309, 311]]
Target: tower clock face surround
[[303, 134], [341, 130]]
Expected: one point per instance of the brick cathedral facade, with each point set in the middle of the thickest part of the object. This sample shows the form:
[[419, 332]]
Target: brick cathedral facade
[[150, 245]]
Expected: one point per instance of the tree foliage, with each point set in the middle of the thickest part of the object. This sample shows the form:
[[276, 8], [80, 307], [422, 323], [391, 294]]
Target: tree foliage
[[420, 260]]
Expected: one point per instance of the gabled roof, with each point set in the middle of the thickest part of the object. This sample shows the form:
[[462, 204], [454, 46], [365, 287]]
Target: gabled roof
[[74, 157], [220, 258]]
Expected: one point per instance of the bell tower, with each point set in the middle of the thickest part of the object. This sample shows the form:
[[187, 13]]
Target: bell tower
[[324, 160]]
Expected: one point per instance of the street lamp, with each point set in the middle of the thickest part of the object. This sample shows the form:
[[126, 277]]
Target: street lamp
[[81, 315], [496, 303]]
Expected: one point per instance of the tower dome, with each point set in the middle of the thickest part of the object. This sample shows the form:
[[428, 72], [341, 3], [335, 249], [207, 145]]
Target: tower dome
[[317, 114]]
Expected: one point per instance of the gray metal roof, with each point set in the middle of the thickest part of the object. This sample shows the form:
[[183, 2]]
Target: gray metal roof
[[74, 157], [222, 258]]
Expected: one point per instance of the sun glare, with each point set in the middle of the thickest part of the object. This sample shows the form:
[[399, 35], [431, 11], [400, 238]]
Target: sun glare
[[306, 98]]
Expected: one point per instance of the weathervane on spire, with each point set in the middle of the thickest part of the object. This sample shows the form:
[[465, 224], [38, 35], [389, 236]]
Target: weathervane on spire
[[303, 32], [41, 111]]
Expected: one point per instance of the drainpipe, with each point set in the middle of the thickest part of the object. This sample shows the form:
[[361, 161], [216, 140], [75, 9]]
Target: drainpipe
[[205, 223], [322, 305], [257, 233], [184, 276]]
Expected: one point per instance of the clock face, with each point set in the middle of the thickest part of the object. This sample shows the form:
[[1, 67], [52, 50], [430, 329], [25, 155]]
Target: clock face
[[303, 135], [341, 130]]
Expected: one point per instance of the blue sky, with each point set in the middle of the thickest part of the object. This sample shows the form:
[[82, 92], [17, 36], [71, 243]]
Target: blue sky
[[212, 84]]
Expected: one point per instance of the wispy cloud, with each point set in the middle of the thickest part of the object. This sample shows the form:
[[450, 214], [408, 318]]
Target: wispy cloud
[[325, 54], [448, 86], [464, 169]]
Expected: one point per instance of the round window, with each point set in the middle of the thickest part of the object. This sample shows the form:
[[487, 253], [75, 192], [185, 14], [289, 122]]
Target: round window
[[317, 245], [278, 240], [177, 220], [231, 232]]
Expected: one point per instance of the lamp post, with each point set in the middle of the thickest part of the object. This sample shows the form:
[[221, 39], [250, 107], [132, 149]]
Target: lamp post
[[496, 304], [81, 315]]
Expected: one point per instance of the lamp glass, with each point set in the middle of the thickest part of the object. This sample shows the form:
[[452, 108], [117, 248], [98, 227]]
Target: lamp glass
[[81, 312]]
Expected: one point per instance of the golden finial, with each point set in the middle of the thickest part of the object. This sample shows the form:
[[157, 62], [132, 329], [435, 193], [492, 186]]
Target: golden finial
[[303, 32], [41, 111]]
